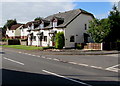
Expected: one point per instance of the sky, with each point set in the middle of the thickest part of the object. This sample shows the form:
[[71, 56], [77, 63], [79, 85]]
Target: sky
[[24, 12]]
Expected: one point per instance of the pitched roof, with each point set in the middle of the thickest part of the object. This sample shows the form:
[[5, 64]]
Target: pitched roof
[[68, 16], [14, 27]]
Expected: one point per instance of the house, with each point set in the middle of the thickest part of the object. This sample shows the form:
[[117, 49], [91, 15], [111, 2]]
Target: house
[[119, 5], [14, 31], [24, 30], [73, 23]]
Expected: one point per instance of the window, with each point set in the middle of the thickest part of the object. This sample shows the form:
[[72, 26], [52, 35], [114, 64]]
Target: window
[[41, 37], [12, 31], [22, 30], [45, 38], [34, 38], [54, 24], [72, 39], [85, 26], [41, 26]]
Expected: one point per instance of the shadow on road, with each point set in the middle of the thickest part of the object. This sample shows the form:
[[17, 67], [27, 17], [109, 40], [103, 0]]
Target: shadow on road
[[18, 78]]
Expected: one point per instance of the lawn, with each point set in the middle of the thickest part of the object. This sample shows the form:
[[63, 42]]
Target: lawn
[[24, 47]]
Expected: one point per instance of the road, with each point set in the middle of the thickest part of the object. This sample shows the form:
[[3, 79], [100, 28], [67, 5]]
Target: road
[[27, 69]]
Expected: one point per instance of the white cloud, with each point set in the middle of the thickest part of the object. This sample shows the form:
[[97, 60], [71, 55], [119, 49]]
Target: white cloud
[[27, 11]]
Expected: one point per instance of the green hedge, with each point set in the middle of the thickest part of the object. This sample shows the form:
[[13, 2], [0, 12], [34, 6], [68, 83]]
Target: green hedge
[[59, 40]]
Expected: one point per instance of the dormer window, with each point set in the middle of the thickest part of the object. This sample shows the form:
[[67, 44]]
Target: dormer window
[[55, 23], [32, 26], [41, 26]]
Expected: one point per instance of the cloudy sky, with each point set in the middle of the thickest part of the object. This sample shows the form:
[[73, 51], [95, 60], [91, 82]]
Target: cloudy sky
[[27, 11]]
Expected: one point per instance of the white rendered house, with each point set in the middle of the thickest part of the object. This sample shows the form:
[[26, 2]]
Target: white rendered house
[[14, 32], [73, 23]]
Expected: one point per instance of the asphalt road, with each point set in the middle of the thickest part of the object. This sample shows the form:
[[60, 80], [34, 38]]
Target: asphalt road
[[23, 69]]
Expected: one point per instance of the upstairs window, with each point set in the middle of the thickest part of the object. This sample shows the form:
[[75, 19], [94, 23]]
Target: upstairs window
[[85, 26], [54, 23], [41, 26], [72, 39]]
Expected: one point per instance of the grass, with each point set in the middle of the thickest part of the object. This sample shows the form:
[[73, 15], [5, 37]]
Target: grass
[[25, 47]]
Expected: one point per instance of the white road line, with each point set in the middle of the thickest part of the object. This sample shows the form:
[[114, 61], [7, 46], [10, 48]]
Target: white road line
[[72, 62], [33, 55], [48, 58], [96, 67], [14, 61], [56, 59], [66, 78], [112, 68], [108, 69], [83, 64], [43, 56]]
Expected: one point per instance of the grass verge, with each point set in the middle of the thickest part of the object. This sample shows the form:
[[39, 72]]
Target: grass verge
[[24, 47]]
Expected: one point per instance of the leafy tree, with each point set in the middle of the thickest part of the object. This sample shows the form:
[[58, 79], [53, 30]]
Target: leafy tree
[[114, 20], [37, 19], [10, 23], [99, 29], [59, 40]]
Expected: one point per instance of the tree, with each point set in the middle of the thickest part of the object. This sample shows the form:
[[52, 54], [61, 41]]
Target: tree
[[59, 40], [38, 19], [10, 23], [99, 30], [114, 20]]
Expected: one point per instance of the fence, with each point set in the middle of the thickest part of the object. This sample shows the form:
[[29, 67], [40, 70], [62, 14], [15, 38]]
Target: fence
[[111, 46], [13, 42]]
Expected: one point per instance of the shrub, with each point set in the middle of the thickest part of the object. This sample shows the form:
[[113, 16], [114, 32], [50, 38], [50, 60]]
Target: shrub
[[59, 40], [79, 46], [4, 39]]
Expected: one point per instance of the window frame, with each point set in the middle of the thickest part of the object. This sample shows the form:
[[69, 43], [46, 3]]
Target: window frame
[[72, 39], [45, 38]]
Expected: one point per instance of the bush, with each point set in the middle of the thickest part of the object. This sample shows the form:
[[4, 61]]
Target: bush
[[79, 46], [4, 39], [59, 40]]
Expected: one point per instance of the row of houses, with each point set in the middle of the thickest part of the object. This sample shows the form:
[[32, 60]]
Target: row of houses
[[73, 23]]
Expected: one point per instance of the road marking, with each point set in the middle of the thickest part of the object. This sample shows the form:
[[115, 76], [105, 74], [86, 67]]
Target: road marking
[[96, 67], [56, 59], [33, 55], [66, 78], [48, 58], [112, 68], [43, 56], [14, 61], [81, 64], [72, 62]]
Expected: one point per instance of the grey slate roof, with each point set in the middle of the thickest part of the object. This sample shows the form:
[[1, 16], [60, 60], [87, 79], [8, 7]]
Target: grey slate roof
[[68, 16]]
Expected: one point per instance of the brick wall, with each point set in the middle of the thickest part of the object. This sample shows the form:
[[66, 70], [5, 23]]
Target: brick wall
[[93, 46]]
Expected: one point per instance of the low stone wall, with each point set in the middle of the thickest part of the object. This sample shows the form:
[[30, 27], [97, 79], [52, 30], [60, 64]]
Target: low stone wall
[[3, 42], [23, 42], [93, 46]]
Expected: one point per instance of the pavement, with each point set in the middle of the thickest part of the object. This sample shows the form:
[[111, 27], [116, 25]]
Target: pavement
[[38, 68], [67, 51]]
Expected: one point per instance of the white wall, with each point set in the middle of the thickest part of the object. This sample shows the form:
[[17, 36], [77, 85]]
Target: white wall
[[18, 32], [24, 32], [10, 33], [76, 28]]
